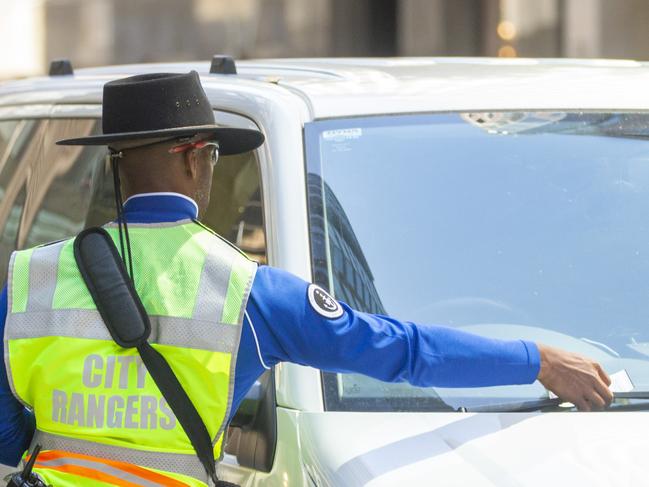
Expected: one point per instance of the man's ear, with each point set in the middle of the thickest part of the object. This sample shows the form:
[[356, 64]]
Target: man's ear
[[191, 163]]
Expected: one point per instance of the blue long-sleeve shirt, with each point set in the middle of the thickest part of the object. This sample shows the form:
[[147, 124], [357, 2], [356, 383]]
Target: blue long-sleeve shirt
[[282, 325]]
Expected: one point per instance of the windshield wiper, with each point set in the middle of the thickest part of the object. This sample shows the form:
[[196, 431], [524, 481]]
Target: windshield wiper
[[554, 404], [630, 406], [513, 407]]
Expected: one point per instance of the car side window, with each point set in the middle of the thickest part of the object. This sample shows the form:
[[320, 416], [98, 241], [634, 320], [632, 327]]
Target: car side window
[[21, 143], [61, 185], [235, 210]]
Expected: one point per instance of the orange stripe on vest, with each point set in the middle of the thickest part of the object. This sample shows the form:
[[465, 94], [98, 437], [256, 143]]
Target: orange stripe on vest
[[141, 472]]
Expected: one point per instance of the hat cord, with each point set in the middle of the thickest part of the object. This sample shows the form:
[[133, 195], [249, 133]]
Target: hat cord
[[121, 221]]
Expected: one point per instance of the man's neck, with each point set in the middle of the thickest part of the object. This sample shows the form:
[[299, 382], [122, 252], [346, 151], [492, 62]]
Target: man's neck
[[147, 207]]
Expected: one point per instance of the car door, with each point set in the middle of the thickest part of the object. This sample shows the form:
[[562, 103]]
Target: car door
[[21, 140], [40, 196]]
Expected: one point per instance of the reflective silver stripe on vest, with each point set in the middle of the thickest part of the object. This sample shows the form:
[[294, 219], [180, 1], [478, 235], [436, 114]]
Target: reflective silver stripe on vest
[[7, 331], [43, 269], [213, 282], [233, 364], [184, 464], [101, 467], [87, 323]]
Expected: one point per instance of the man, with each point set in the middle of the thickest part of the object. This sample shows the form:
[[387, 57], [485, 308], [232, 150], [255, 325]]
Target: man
[[99, 414]]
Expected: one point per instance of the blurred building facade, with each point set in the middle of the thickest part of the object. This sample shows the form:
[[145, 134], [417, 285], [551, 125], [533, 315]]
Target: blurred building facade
[[96, 32]]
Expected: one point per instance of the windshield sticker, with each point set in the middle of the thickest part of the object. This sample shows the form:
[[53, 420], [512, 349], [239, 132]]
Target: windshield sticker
[[340, 140], [340, 135], [621, 382], [322, 303]]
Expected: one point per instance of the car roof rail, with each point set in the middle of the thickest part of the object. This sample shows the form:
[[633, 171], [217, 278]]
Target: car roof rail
[[61, 67], [222, 64]]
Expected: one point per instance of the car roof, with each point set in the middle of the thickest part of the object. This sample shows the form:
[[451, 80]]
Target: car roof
[[340, 87]]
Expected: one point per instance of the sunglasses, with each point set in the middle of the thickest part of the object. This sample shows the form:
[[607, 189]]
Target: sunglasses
[[214, 146]]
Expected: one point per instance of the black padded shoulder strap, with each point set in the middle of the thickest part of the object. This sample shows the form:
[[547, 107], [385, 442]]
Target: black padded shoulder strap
[[121, 309], [103, 271]]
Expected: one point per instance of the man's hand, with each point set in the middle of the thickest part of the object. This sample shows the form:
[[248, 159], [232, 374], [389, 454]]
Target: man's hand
[[575, 379]]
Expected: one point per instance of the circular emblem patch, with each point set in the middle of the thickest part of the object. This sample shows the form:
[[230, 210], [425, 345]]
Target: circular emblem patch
[[323, 304]]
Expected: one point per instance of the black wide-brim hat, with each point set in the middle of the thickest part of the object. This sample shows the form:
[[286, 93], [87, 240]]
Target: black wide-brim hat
[[164, 106]]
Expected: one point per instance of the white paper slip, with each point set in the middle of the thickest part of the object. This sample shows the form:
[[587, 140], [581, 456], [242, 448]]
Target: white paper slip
[[620, 382]]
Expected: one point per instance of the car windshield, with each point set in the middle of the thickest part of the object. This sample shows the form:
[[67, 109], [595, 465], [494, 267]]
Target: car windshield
[[515, 225]]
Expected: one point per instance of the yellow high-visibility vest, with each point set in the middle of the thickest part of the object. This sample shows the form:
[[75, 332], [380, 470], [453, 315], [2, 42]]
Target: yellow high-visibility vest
[[100, 418]]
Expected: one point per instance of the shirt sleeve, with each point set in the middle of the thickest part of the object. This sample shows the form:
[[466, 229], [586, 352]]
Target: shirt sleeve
[[289, 328], [16, 422]]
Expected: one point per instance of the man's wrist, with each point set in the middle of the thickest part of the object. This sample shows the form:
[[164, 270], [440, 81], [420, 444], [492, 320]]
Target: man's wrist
[[544, 363]]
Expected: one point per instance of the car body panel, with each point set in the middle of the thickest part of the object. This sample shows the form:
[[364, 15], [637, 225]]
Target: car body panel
[[480, 450], [351, 87]]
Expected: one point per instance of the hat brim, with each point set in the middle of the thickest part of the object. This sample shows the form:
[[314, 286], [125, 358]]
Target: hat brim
[[231, 140]]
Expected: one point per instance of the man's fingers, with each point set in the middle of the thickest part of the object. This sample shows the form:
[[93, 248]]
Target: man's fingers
[[582, 405], [596, 402], [602, 374], [604, 392]]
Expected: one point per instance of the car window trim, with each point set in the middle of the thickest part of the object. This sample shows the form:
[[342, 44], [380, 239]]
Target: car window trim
[[25, 112]]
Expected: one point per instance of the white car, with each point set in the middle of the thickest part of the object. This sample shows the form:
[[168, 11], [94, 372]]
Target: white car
[[509, 198]]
